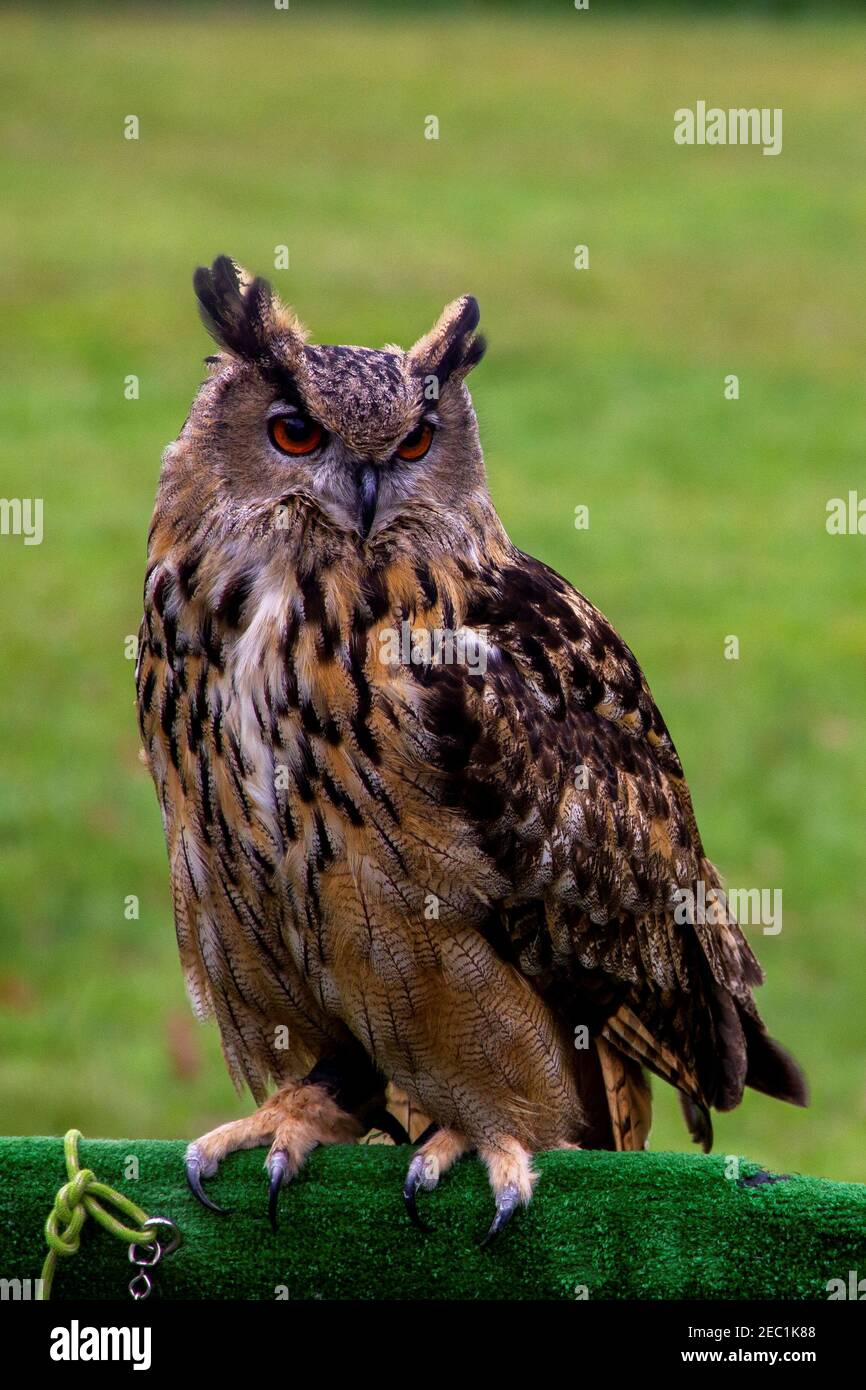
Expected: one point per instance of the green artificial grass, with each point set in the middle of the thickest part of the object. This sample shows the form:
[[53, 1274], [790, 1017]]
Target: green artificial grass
[[601, 1226]]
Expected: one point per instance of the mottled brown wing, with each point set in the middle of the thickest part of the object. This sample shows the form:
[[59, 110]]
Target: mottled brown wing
[[558, 756]]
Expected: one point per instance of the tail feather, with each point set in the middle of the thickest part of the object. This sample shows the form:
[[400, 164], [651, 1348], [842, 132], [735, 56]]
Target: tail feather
[[770, 1068], [698, 1121], [628, 1097], [624, 1032]]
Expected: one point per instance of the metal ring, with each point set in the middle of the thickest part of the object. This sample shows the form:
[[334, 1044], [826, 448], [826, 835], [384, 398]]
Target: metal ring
[[152, 1254], [175, 1237], [140, 1286]]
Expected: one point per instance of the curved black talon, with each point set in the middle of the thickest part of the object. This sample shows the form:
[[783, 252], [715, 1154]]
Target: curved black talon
[[278, 1172], [193, 1166], [507, 1202], [415, 1181]]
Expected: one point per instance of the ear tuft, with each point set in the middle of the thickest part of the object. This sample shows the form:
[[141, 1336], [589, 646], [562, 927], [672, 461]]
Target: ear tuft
[[452, 347], [242, 313]]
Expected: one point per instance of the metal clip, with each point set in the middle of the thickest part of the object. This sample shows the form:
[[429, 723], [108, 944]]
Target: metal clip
[[141, 1285]]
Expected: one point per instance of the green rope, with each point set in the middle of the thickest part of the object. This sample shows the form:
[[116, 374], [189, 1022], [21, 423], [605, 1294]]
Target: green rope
[[79, 1198]]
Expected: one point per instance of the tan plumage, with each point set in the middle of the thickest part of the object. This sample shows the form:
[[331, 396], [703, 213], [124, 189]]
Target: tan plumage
[[423, 875]]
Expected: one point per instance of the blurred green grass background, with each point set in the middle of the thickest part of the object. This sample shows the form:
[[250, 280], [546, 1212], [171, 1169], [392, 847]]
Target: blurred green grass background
[[602, 387]]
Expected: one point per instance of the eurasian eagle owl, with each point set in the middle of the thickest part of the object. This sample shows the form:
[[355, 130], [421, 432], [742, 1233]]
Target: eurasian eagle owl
[[433, 864]]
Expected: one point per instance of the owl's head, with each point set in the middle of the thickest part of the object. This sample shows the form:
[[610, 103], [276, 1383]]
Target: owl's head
[[369, 440]]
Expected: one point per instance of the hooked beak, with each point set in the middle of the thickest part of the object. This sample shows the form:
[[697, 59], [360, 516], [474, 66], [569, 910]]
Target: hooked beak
[[368, 495]]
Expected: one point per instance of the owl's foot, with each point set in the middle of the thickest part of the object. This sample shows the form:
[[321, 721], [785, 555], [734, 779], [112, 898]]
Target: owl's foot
[[435, 1156], [512, 1178], [293, 1121], [509, 1164]]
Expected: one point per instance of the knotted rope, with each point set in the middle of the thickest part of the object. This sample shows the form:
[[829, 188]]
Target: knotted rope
[[79, 1198]]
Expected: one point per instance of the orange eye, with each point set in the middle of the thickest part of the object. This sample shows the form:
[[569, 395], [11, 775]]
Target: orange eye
[[416, 444], [295, 434]]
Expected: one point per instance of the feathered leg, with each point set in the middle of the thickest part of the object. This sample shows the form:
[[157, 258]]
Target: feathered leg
[[293, 1121]]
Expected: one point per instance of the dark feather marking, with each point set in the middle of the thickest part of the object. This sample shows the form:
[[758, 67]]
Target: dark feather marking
[[233, 767], [309, 718], [193, 888], [428, 585], [394, 850], [168, 714], [324, 848], [234, 596], [194, 723], [376, 599], [204, 783], [187, 570], [341, 800], [315, 613], [211, 643], [365, 740], [147, 690], [364, 700], [227, 868], [217, 722], [331, 731]]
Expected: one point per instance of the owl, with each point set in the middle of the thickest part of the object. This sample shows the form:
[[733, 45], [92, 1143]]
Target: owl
[[428, 835]]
